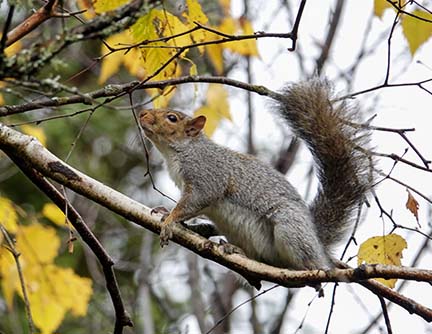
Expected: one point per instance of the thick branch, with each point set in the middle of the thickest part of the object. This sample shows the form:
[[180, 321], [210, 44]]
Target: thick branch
[[32, 22], [28, 148], [115, 90], [30, 61]]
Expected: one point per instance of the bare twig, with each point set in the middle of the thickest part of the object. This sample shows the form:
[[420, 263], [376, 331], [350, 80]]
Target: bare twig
[[333, 301], [387, 85], [325, 50], [296, 26], [386, 316], [277, 325], [395, 21], [6, 28], [396, 5], [11, 248], [238, 306]]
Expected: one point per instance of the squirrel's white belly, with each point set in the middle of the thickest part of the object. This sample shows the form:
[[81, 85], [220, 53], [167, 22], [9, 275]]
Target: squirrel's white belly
[[253, 234]]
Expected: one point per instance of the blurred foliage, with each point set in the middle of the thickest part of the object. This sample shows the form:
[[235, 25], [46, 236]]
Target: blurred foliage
[[103, 143]]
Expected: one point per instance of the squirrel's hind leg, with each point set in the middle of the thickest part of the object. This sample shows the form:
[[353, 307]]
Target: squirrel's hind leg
[[296, 249]]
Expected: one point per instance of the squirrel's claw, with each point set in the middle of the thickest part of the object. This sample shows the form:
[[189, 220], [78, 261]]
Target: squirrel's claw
[[165, 235], [160, 210], [228, 248]]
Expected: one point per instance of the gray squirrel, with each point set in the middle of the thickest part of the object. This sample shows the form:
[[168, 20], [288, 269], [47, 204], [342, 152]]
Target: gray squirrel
[[252, 204]]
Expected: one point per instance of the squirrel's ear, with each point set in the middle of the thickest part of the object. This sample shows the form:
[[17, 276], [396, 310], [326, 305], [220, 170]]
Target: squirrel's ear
[[195, 125]]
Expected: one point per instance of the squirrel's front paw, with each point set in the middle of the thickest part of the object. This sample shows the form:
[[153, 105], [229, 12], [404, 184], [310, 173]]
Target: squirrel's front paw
[[165, 235], [228, 248], [160, 210]]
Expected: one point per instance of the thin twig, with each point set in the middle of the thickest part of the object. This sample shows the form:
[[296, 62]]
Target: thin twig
[[146, 152], [6, 27], [386, 316], [331, 308], [325, 49], [11, 248], [294, 31], [238, 306]]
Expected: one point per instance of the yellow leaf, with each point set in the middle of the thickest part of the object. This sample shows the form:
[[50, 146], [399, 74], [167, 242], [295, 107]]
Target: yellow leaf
[[160, 97], [53, 213], [36, 132], [37, 244], [193, 70], [380, 6], [157, 58], [217, 99], [88, 6], [216, 108], [70, 284], [241, 26], [215, 53], [131, 59], [8, 215], [249, 46], [111, 63], [134, 63], [102, 6], [13, 49], [159, 23], [212, 119], [383, 250], [47, 310], [195, 14], [8, 275], [228, 26], [58, 291], [226, 6], [52, 291], [2, 101], [416, 31]]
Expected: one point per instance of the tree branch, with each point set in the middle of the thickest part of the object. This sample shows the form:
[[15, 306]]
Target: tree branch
[[32, 22], [121, 89], [30, 61], [11, 248], [29, 149]]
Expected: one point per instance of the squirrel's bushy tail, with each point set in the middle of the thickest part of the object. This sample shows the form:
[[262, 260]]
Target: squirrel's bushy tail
[[343, 171]]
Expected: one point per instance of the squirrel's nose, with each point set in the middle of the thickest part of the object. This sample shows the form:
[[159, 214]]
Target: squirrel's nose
[[146, 117]]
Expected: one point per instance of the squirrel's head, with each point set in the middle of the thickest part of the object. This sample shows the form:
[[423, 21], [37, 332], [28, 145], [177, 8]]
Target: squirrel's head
[[164, 126]]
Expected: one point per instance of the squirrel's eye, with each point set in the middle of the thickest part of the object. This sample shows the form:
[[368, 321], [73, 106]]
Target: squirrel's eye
[[172, 118]]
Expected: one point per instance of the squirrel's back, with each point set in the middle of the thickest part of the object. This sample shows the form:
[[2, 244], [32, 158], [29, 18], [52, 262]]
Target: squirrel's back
[[342, 169], [252, 204]]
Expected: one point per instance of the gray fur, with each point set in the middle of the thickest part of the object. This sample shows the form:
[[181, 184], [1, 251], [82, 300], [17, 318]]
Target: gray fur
[[255, 207]]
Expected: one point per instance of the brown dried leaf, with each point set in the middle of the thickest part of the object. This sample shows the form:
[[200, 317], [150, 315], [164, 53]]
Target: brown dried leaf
[[412, 205]]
